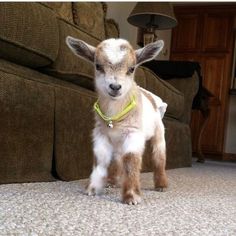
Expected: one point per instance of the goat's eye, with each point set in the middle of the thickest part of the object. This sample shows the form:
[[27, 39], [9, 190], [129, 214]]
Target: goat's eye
[[99, 68], [131, 70]]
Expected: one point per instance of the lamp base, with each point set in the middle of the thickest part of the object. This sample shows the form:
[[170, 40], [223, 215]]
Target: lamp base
[[149, 36]]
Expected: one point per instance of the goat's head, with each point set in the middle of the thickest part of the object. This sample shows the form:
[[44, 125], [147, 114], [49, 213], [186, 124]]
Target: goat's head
[[115, 62]]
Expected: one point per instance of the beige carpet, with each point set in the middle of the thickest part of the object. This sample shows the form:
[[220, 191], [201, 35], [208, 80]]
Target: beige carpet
[[200, 201]]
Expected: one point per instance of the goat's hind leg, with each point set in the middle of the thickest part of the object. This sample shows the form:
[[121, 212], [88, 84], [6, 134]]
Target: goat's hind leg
[[159, 158], [114, 173]]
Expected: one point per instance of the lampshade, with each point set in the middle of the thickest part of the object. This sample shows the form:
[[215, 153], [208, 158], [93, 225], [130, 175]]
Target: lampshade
[[158, 15]]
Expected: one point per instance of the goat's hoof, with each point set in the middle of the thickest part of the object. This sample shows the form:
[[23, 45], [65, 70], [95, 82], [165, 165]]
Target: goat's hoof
[[113, 183], [110, 185], [160, 189], [161, 183], [133, 199], [92, 191]]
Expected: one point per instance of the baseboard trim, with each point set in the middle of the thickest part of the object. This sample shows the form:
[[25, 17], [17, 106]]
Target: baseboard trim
[[218, 157], [229, 157]]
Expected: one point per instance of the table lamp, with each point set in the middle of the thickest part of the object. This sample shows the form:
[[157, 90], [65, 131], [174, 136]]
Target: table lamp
[[152, 16]]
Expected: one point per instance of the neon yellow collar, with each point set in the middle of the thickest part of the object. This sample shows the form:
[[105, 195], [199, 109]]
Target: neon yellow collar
[[109, 120]]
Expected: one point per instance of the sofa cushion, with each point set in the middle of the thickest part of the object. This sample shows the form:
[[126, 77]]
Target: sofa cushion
[[189, 87], [74, 120], [67, 66], [28, 34], [27, 123], [62, 9], [170, 95], [90, 16], [111, 29], [140, 77], [178, 144]]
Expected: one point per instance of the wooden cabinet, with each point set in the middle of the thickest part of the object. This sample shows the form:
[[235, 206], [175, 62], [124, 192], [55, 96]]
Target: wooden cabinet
[[205, 34], [216, 32], [187, 34]]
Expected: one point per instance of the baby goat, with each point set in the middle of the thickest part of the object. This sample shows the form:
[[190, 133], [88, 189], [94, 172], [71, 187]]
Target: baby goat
[[126, 115]]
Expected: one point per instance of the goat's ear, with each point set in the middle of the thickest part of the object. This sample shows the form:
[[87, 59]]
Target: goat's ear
[[149, 52], [80, 48]]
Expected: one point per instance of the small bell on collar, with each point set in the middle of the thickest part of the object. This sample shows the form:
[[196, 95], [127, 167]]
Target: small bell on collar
[[109, 124]]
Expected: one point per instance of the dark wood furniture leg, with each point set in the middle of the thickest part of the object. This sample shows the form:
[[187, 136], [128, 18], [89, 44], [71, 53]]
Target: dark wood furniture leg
[[205, 113]]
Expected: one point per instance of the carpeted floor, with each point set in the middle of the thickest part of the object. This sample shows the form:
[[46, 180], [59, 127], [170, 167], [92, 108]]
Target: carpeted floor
[[200, 201]]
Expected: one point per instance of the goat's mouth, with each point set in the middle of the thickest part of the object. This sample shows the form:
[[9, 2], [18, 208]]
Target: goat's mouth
[[114, 94]]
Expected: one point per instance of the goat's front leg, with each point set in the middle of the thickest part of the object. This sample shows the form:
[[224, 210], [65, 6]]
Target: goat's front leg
[[103, 154], [132, 160], [131, 182]]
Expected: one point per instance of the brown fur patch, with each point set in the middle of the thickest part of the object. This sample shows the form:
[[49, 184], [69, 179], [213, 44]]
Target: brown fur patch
[[114, 173], [128, 60], [131, 172], [151, 99]]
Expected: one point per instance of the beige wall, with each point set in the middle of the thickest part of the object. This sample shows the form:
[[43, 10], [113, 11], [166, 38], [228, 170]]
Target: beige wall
[[120, 11]]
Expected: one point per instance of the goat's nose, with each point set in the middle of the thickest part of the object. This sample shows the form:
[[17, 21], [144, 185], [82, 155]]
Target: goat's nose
[[115, 87]]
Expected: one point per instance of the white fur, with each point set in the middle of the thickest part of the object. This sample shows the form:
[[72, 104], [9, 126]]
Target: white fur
[[134, 143], [103, 154], [160, 104], [104, 80], [97, 179], [150, 117], [113, 51], [102, 148]]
